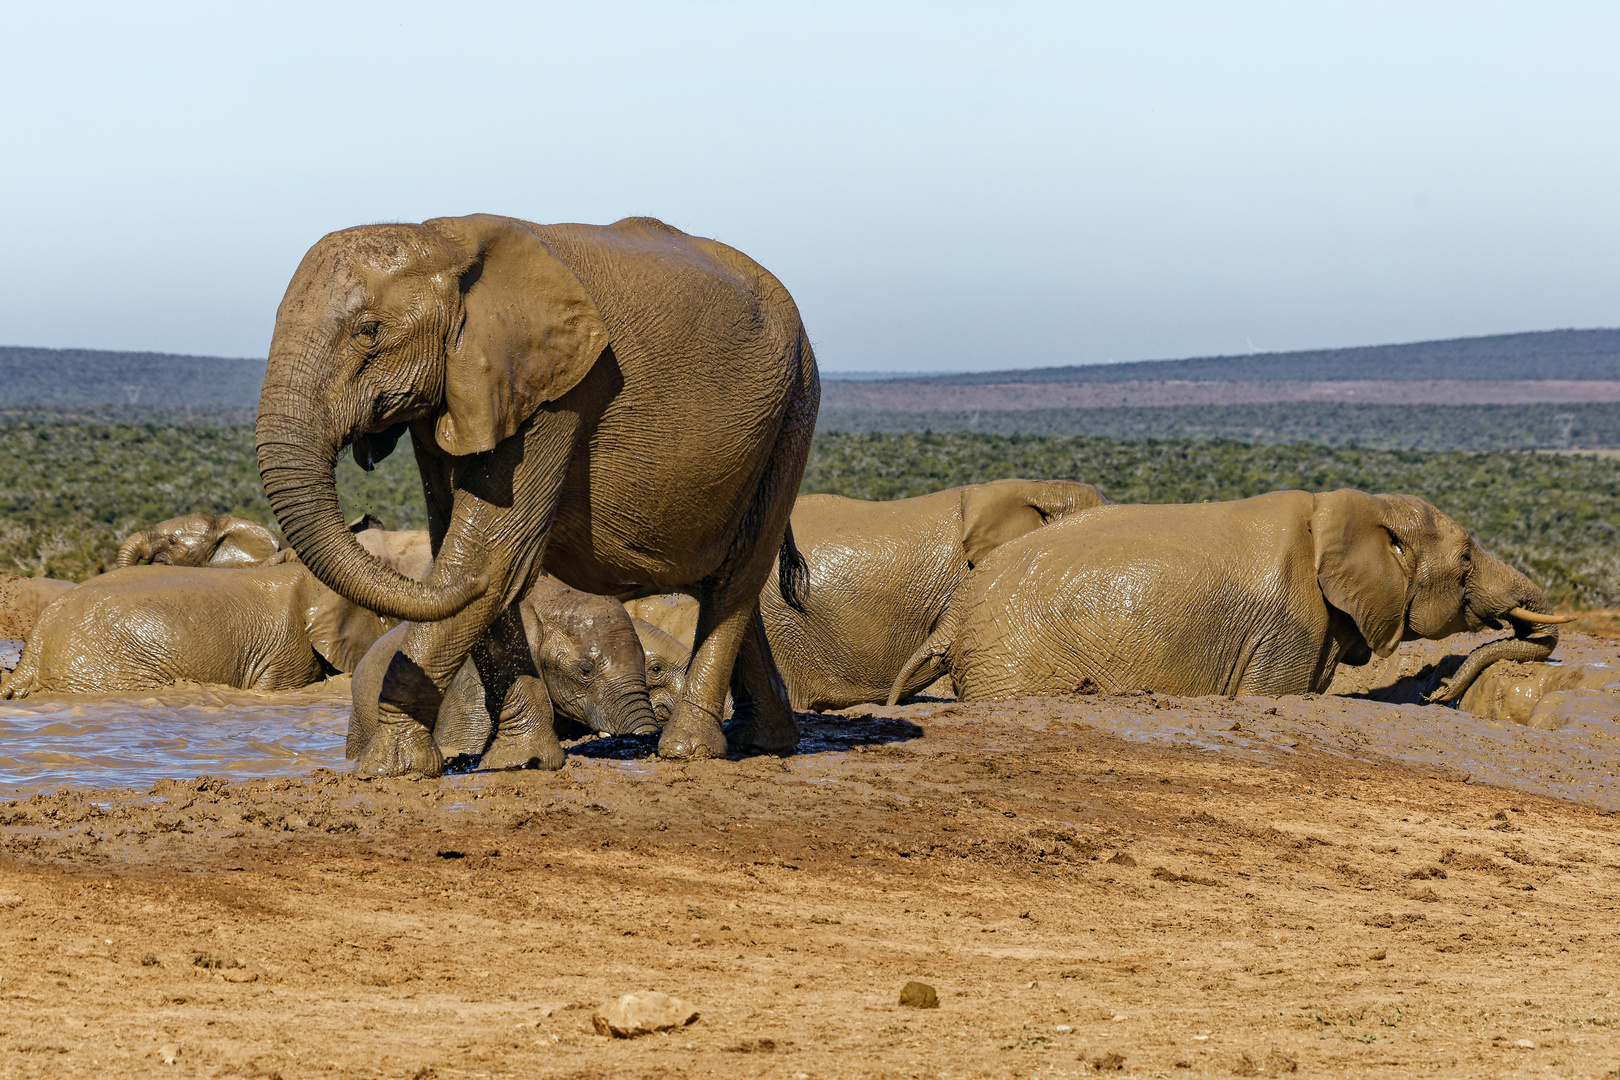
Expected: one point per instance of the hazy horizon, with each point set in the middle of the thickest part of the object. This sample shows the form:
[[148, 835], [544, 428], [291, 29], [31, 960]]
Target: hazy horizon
[[942, 187]]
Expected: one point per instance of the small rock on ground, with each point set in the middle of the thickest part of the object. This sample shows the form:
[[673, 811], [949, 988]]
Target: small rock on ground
[[642, 1014], [918, 995]]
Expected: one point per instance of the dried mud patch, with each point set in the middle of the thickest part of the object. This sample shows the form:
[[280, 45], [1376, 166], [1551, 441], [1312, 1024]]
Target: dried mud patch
[[1127, 884]]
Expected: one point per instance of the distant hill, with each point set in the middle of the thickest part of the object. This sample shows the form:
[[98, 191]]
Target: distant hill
[[1548, 354], [92, 377], [81, 377]]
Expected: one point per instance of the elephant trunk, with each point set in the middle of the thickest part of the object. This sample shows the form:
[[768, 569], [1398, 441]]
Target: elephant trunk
[[1532, 647], [297, 462], [1500, 594], [133, 551], [625, 709]]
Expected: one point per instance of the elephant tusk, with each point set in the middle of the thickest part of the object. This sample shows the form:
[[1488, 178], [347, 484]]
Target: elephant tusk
[[1519, 614]]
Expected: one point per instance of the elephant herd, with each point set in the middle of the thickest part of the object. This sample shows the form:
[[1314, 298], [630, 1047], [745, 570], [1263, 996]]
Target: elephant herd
[[611, 424], [1008, 588]]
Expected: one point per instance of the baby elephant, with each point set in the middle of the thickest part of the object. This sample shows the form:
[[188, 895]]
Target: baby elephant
[[1261, 596], [567, 657]]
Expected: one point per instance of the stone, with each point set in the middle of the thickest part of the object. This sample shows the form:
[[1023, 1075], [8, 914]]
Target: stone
[[642, 1014], [919, 995]]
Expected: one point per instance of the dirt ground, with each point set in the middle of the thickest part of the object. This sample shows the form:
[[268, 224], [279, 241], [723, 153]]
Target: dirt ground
[[1236, 899]]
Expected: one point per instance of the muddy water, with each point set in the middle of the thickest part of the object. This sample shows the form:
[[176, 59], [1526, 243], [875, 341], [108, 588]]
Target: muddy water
[[132, 740]]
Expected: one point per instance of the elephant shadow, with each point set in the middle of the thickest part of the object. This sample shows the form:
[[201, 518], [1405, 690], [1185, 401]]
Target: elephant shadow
[[818, 734], [1414, 689]]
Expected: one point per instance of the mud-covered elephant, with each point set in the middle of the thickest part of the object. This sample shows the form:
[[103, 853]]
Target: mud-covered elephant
[[631, 403], [590, 667], [878, 577], [200, 540], [271, 627], [1260, 596], [881, 573]]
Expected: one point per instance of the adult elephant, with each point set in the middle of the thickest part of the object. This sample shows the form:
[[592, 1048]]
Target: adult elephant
[[880, 575], [632, 403], [1260, 596]]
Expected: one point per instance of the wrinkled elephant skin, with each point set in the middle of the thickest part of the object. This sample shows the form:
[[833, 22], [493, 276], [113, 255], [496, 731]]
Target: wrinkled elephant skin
[[1261, 596], [633, 402]]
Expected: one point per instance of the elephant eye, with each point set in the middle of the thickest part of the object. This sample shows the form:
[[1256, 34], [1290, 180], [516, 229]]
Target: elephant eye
[[585, 668], [368, 331]]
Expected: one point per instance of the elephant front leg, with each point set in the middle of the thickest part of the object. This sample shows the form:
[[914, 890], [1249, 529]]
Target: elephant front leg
[[501, 511], [526, 734]]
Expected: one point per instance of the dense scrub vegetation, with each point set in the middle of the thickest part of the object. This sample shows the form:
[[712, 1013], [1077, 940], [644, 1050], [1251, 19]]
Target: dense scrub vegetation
[[1389, 427], [70, 492]]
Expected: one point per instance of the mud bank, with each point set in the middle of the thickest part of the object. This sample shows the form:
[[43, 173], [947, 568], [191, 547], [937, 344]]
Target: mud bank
[[1195, 887]]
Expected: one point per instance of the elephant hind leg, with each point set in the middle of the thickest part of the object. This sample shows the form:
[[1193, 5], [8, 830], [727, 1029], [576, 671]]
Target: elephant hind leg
[[731, 649], [762, 716]]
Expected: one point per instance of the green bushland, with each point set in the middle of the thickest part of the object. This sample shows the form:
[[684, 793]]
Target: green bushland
[[70, 491], [1388, 427]]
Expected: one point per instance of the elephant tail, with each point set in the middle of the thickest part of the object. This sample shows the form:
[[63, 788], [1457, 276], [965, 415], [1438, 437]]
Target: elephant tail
[[928, 659], [793, 573]]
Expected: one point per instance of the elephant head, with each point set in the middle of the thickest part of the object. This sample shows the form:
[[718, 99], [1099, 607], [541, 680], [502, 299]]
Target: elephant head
[[471, 323], [1402, 570], [666, 661], [590, 657], [200, 540]]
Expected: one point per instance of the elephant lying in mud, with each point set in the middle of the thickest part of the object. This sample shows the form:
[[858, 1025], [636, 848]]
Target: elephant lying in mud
[[589, 663], [1261, 596], [200, 540], [268, 627], [619, 406], [879, 576], [262, 628]]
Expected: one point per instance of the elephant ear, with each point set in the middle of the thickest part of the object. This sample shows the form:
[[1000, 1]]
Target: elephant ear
[[1359, 566], [531, 332], [1003, 510], [244, 543], [341, 631]]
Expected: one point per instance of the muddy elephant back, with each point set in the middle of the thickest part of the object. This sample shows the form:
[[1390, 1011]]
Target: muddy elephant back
[[675, 614]]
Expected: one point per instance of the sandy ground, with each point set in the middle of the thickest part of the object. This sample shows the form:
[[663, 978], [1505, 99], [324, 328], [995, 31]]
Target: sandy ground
[[911, 396], [1174, 886]]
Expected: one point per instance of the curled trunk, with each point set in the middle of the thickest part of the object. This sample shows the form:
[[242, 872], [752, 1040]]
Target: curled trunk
[[1527, 647], [297, 462]]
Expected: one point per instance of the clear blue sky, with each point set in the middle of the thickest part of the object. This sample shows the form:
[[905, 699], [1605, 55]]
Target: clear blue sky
[[942, 187]]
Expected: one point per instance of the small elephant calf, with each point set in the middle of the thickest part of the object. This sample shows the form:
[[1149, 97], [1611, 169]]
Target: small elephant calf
[[578, 658]]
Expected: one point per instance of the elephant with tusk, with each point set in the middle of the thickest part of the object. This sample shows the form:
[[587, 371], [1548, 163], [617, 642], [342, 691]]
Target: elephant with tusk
[[619, 406], [1260, 596]]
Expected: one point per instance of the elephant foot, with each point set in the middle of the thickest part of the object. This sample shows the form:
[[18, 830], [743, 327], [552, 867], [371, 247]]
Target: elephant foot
[[692, 735], [764, 731], [399, 746], [526, 734]]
